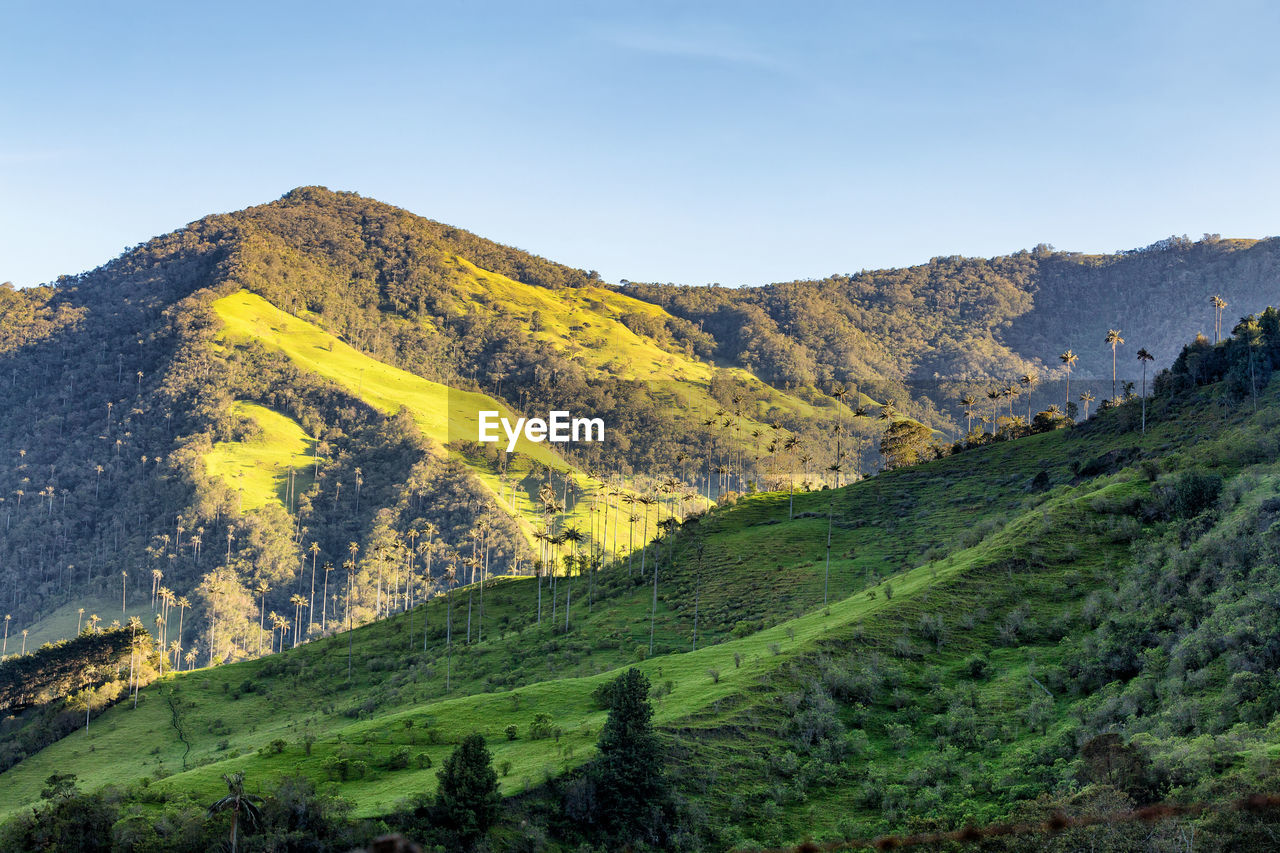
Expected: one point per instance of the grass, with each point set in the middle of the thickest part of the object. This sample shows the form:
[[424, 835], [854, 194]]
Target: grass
[[443, 414], [964, 540], [258, 467]]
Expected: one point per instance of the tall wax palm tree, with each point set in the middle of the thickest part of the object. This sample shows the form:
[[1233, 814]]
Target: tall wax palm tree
[[791, 445], [573, 536], [826, 576], [471, 563], [839, 392], [324, 599], [450, 575], [183, 604], [1086, 398], [646, 502], [261, 589], [1218, 304], [1068, 360], [1144, 357], [350, 566], [242, 805], [541, 537], [1028, 381], [311, 601], [994, 396], [160, 633], [1114, 340], [968, 401], [298, 603]]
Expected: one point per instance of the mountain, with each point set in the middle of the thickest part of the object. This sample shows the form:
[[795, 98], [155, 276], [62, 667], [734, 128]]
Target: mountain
[[256, 436], [956, 324], [223, 376], [1035, 634]]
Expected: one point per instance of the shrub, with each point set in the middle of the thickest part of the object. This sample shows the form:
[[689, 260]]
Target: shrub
[[976, 666], [399, 759], [512, 732], [714, 675], [1186, 494], [540, 728]]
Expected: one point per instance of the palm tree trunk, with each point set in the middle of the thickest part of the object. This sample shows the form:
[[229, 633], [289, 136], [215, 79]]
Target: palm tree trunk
[[1144, 398], [826, 578], [653, 612]]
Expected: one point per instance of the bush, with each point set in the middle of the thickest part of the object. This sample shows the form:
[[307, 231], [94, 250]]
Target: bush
[[976, 666], [399, 759], [1185, 494], [714, 675], [540, 728], [512, 732]]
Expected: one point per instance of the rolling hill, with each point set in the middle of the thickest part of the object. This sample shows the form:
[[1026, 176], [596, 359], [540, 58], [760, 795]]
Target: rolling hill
[[988, 616]]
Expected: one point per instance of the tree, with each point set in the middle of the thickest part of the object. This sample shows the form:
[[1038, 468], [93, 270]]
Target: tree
[[299, 604], [791, 444], [1029, 381], [238, 802], [1086, 398], [468, 797], [1218, 304], [1144, 357], [311, 602], [968, 401], [628, 774], [905, 442], [262, 589], [1114, 339], [1068, 360]]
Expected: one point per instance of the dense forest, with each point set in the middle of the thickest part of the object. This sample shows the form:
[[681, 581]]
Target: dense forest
[[932, 329]]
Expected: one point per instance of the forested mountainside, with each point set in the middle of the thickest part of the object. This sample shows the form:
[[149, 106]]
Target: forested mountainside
[[176, 434], [222, 413], [1059, 640], [943, 326]]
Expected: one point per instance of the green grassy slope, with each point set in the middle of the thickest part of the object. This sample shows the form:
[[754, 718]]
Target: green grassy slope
[[441, 413], [259, 465], [932, 566]]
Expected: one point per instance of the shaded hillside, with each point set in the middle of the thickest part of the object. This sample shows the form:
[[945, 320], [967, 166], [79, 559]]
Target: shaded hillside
[[954, 322]]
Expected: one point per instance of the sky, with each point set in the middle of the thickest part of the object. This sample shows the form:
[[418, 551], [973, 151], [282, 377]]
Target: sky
[[690, 142]]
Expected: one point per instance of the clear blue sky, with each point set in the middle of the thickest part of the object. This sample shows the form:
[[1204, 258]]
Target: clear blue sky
[[687, 142]]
